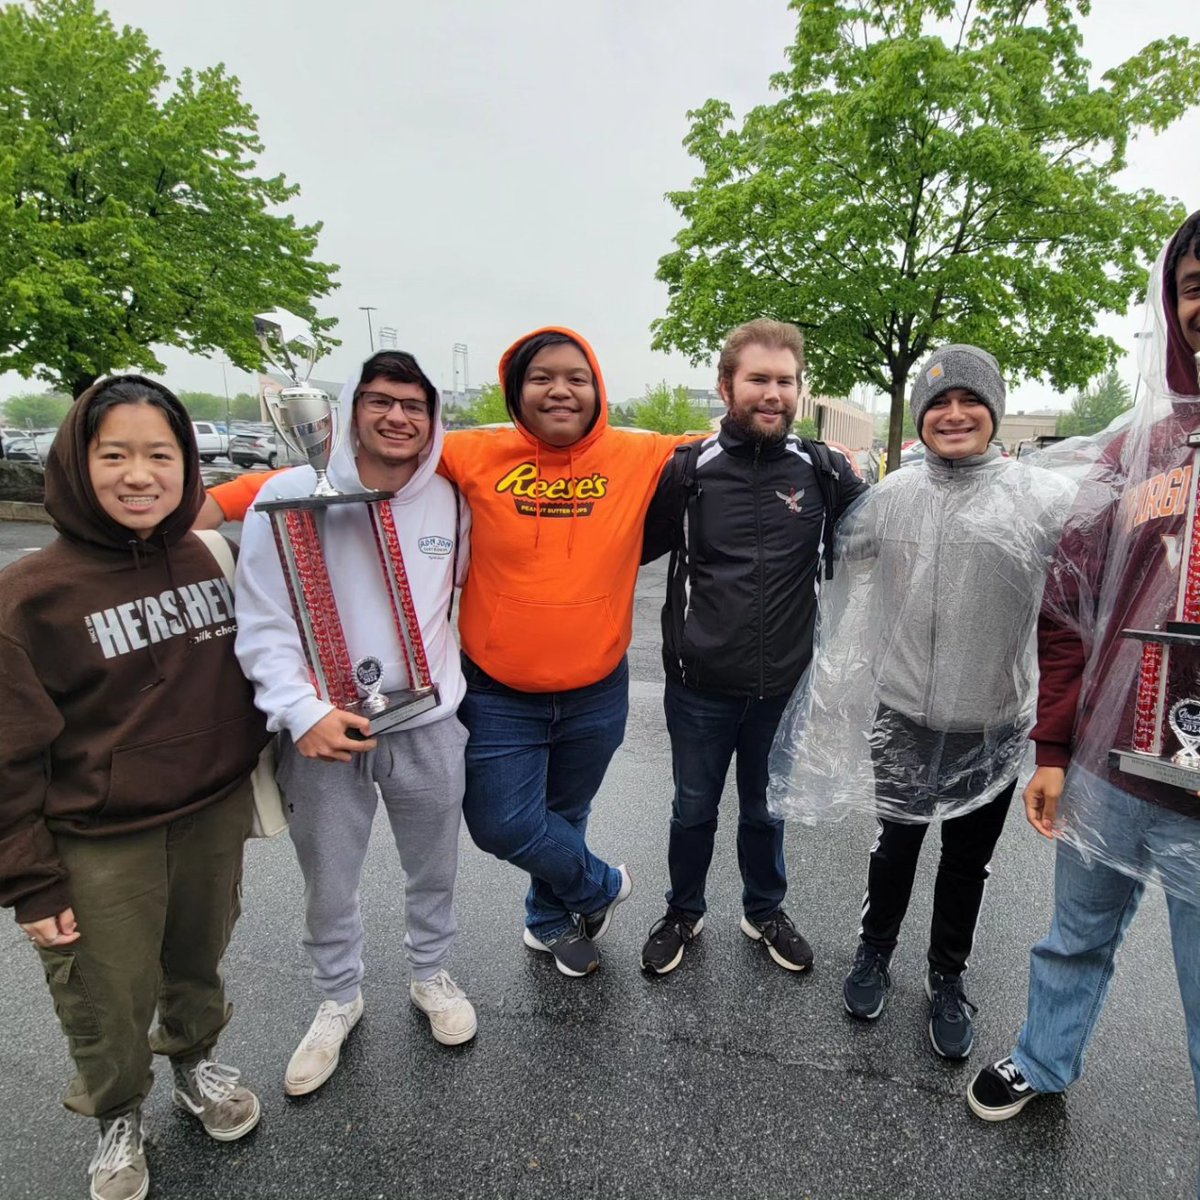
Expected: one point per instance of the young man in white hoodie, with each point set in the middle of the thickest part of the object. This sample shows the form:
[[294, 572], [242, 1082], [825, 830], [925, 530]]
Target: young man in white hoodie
[[392, 443]]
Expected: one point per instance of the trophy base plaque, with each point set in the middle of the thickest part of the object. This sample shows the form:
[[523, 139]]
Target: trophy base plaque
[[400, 706], [1151, 766]]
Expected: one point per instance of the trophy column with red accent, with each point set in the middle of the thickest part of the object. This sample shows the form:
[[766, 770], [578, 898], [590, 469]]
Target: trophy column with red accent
[[304, 418], [1166, 727]]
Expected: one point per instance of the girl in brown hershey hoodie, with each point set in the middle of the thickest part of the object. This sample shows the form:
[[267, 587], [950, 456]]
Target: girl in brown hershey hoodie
[[125, 754]]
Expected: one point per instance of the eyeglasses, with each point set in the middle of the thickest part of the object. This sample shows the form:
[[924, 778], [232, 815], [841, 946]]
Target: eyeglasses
[[380, 405]]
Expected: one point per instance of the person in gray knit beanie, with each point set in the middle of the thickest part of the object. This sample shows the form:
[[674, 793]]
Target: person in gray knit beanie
[[958, 366]]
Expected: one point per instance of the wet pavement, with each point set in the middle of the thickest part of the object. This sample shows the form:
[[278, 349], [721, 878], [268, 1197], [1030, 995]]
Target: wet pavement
[[727, 1078]]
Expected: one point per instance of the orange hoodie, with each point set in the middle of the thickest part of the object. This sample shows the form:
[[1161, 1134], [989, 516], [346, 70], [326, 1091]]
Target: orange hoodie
[[556, 535]]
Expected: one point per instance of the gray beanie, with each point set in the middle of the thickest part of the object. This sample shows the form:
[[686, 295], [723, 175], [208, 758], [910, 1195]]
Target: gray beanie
[[959, 367]]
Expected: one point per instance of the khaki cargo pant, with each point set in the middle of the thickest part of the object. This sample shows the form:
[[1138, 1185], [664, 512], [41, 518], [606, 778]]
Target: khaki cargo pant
[[155, 912]]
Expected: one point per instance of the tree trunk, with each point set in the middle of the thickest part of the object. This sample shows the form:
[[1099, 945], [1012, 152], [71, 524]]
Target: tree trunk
[[896, 422]]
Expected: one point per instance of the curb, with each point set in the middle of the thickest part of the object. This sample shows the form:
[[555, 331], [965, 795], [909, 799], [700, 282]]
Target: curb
[[17, 510]]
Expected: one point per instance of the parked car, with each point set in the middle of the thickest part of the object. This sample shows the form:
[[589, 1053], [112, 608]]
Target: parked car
[[260, 445], [210, 440]]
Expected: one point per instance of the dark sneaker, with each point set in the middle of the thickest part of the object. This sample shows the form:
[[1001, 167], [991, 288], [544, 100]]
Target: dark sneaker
[[211, 1093], [999, 1091], [783, 943], [668, 938], [118, 1168], [950, 1028], [865, 991], [595, 925], [574, 954]]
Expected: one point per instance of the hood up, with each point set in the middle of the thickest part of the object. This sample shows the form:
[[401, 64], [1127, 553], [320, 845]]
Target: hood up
[[72, 503], [343, 466], [1166, 361], [601, 421]]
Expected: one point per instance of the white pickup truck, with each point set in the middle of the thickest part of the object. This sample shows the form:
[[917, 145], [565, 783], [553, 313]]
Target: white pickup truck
[[211, 442]]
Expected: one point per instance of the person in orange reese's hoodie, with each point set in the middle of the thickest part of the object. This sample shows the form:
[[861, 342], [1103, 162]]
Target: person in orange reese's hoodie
[[557, 506]]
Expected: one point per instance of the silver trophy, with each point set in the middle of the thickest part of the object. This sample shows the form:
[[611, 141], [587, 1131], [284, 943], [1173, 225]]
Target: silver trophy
[[302, 415], [1184, 720]]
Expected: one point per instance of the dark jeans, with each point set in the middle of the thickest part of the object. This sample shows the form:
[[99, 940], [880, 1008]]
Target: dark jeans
[[535, 760], [706, 730], [967, 845]]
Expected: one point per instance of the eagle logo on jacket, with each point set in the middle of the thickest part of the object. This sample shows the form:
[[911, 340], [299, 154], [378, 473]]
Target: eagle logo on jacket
[[792, 499]]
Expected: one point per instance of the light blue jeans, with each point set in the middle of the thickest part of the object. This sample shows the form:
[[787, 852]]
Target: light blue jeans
[[1071, 969]]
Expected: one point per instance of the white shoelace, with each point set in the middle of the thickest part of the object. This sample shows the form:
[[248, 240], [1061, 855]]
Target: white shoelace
[[332, 1024], [1011, 1074], [215, 1081], [445, 992], [116, 1149]]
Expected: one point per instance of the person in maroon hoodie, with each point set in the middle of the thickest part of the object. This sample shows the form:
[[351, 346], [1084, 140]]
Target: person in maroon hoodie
[[125, 796], [1118, 567]]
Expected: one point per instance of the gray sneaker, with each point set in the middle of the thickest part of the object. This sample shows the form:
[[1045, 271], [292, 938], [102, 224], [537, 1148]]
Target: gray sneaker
[[118, 1169], [210, 1092]]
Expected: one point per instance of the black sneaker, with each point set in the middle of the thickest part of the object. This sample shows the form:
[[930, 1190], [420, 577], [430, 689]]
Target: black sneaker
[[999, 1091], [865, 991], [573, 951], [783, 943], [668, 938], [950, 1028], [595, 925]]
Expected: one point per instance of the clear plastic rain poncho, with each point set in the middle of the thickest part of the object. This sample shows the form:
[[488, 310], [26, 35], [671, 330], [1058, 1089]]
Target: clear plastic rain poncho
[[1130, 560], [921, 693]]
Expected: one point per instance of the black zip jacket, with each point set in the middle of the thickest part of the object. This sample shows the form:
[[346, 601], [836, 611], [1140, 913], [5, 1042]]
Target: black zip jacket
[[747, 525]]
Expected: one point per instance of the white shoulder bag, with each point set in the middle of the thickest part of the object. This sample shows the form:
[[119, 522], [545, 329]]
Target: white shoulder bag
[[269, 815]]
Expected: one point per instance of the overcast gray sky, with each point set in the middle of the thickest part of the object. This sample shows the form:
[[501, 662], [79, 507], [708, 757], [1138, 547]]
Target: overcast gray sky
[[486, 166]]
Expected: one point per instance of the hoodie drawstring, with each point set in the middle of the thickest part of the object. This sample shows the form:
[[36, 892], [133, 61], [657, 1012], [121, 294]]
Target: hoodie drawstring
[[571, 484], [135, 546], [537, 504]]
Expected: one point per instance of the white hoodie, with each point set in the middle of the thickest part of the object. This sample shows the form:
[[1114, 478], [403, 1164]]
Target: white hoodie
[[427, 521]]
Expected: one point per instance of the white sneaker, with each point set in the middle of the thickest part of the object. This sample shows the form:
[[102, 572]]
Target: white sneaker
[[317, 1056], [451, 1016]]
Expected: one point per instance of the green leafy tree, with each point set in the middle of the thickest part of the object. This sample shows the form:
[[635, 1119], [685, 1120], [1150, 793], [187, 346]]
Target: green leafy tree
[[909, 189], [619, 418], [1093, 408], [806, 427], [131, 214], [36, 410], [245, 407], [667, 409], [488, 408], [203, 406]]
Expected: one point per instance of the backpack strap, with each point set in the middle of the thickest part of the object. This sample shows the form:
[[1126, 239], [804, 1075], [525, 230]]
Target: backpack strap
[[829, 484], [218, 547], [457, 540]]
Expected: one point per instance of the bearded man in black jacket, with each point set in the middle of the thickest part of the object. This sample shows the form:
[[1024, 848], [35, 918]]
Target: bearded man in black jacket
[[748, 517]]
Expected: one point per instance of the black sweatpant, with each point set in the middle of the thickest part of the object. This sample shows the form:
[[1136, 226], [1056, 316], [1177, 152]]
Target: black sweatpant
[[967, 845]]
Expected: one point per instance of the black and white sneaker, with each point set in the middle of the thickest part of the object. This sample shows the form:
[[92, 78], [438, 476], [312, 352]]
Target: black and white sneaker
[[865, 990], [668, 939], [783, 942], [999, 1091], [950, 1027], [573, 952], [595, 925]]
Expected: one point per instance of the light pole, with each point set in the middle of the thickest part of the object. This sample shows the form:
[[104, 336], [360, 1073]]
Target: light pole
[[369, 309], [228, 430]]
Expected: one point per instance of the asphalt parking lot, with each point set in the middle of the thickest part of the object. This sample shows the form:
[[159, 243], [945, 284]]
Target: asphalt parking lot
[[727, 1078]]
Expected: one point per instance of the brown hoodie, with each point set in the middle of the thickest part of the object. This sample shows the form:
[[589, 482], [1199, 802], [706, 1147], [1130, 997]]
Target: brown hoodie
[[123, 703]]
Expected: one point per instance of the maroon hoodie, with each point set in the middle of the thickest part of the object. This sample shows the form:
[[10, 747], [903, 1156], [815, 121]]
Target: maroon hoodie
[[123, 703], [1121, 553]]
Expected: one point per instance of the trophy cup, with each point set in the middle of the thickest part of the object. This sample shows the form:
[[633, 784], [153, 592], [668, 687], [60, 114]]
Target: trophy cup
[[305, 418], [1166, 721]]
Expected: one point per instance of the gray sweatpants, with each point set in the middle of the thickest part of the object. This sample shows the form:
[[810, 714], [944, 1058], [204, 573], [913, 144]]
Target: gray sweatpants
[[331, 806]]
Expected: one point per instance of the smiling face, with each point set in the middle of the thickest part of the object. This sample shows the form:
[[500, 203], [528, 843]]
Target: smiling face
[[957, 424], [136, 466], [1187, 292], [390, 442], [558, 395], [764, 391]]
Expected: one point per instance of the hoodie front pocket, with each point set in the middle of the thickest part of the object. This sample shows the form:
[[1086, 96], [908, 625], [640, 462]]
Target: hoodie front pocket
[[543, 646], [156, 778]]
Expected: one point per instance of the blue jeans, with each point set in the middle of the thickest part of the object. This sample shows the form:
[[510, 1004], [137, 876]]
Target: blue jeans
[[535, 760], [706, 730], [1071, 969]]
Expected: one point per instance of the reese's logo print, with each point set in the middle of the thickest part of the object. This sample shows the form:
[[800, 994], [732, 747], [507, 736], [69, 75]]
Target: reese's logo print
[[561, 497], [204, 610]]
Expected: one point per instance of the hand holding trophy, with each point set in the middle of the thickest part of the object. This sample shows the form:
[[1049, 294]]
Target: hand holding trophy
[[305, 418]]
